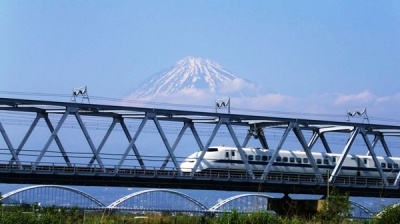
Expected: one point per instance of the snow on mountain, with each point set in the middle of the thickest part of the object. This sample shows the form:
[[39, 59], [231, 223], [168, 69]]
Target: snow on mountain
[[193, 78]]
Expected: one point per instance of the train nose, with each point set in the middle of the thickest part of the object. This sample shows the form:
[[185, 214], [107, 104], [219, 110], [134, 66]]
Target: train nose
[[187, 165]]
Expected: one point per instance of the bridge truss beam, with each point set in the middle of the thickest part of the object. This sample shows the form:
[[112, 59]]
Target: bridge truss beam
[[307, 133]]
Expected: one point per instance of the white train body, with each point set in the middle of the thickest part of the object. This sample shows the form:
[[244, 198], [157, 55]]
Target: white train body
[[228, 158]]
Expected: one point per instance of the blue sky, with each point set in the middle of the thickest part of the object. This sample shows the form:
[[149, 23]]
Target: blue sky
[[308, 55]]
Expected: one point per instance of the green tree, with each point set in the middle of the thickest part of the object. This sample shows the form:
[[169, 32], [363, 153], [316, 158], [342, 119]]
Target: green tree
[[335, 209]]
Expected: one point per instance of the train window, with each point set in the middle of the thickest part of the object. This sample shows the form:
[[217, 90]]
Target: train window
[[232, 153], [258, 158], [251, 157], [389, 165], [365, 161], [383, 165], [334, 159], [326, 162], [395, 165], [292, 159], [298, 160], [305, 160], [319, 161], [226, 154], [285, 159], [212, 150], [264, 158], [278, 159]]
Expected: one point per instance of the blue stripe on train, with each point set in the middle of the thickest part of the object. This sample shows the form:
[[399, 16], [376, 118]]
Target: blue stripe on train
[[304, 165]]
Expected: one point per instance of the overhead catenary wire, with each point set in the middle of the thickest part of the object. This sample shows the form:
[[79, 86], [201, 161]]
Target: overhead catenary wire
[[91, 123], [131, 102], [94, 123]]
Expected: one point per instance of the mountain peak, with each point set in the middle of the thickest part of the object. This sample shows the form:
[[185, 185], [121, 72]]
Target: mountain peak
[[191, 76], [196, 62]]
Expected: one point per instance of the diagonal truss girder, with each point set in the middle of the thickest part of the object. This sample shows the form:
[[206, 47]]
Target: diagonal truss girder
[[104, 140], [57, 139], [10, 146], [353, 135], [205, 147], [380, 138], [43, 115], [373, 155], [29, 132], [52, 137], [295, 127], [343, 156], [240, 150], [223, 120], [276, 151], [166, 143], [89, 139], [307, 150], [132, 143], [318, 128], [180, 135]]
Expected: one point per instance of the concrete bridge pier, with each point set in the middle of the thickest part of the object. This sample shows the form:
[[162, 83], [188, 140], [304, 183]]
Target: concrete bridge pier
[[294, 207]]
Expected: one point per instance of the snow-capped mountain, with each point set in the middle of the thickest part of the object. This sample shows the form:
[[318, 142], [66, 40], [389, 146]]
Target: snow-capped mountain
[[193, 77]]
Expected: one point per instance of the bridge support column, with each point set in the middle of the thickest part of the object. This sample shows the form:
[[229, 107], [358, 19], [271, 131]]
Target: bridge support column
[[294, 207]]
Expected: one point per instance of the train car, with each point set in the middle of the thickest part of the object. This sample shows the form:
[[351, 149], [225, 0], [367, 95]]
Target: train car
[[228, 159]]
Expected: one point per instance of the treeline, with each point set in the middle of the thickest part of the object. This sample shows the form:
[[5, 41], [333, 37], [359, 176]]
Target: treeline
[[50, 215], [336, 210]]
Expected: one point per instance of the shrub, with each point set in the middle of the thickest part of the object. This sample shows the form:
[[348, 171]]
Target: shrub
[[389, 215], [335, 209]]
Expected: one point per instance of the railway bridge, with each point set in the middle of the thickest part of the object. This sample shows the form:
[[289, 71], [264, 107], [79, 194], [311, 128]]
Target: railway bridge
[[68, 143]]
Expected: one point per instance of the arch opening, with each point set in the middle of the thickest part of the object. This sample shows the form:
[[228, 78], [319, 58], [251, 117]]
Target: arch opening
[[51, 195], [160, 200]]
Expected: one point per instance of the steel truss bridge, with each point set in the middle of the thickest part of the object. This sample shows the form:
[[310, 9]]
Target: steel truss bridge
[[156, 200], [48, 142]]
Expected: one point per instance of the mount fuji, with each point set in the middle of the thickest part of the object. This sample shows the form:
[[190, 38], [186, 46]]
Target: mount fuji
[[193, 79]]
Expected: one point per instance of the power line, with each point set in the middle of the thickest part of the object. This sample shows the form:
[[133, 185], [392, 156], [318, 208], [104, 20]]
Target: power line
[[209, 108]]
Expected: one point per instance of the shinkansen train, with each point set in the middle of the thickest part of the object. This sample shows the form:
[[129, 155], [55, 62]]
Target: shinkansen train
[[228, 158]]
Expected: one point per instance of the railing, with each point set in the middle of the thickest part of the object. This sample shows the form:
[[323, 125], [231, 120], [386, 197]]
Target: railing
[[154, 172]]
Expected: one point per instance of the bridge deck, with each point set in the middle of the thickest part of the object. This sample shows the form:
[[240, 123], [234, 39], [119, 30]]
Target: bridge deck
[[209, 180]]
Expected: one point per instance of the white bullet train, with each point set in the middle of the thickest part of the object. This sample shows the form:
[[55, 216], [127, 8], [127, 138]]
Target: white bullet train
[[228, 158]]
